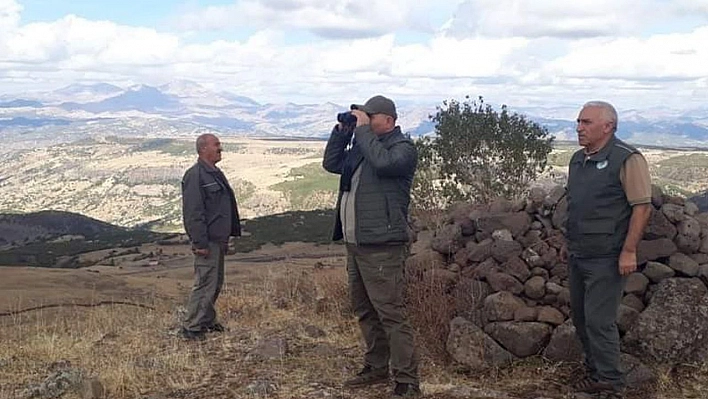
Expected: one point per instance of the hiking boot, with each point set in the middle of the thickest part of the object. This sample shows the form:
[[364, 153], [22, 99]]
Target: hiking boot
[[593, 386], [406, 390], [191, 335], [216, 327], [367, 376]]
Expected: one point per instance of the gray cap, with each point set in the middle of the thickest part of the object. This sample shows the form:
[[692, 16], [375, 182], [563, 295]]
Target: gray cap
[[378, 105]]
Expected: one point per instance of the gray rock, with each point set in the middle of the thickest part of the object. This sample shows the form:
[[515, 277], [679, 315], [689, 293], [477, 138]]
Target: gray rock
[[517, 268], [526, 313], [683, 264], [503, 250], [659, 226], [656, 271], [673, 212], [626, 318], [535, 287], [441, 277], [633, 302], [564, 345], [539, 271], [469, 345], [655, 249], [504, 282], [673, 327], [690, 209], [469, 296], [553, 288], [520, 338], [636, 284], [479, 252], [657, 196], [424, 260], [448, 239], [532, 258], [704, 245], [703, 273], [700, 258], [464, 392], [560, 215], [550, 315], [502, 235], [501, 306]]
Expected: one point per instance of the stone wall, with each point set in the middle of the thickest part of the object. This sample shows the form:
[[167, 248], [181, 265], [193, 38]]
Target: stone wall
[[501, 263]]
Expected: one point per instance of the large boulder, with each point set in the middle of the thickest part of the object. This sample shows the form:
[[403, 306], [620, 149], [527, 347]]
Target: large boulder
[[656, 271], [501, 306], [659, 226], [683, 265], [655, 249], [673, 327], [448, 239], [688, 239], [520, 338], [517, 268], [564, 345], [505, 282], [469, 345]]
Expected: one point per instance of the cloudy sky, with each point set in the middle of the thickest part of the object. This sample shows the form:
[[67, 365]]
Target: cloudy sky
[[635, 53]]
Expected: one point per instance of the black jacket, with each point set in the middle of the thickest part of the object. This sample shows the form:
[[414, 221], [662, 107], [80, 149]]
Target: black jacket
[[209, 209]]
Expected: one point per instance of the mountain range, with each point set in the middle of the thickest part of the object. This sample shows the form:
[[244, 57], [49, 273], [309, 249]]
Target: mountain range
[[181, 108]]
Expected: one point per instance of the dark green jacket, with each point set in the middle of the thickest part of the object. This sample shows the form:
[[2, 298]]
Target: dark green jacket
[[382, 197], [598, 210], [209, 209]]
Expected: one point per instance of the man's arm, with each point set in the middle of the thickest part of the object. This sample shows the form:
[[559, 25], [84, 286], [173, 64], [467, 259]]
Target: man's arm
[[399, 160], [637, 224], [333, 159], [636, 182], [193, 211]]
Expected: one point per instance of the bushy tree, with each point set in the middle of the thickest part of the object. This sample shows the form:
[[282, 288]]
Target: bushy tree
[[478, 154]]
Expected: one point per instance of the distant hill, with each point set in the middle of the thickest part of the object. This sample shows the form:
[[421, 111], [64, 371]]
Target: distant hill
[[46, 238], [181, 107]]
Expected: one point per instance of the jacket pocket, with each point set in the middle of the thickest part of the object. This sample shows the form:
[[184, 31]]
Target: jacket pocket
[[213, 219]]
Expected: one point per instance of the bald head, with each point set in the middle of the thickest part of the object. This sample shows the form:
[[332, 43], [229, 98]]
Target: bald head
[[209, 148]]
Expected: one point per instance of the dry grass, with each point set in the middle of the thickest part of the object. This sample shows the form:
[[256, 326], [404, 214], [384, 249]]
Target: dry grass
[[133, 354]]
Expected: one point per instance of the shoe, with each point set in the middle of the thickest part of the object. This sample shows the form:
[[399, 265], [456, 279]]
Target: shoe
[[216, 327], [406, 390], [367, 376], [191, 335], [593, 386]]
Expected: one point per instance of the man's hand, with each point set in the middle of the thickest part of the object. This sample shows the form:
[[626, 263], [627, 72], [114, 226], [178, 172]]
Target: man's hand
[[627, 262], [201, 252], [564, 253], [362, 118]]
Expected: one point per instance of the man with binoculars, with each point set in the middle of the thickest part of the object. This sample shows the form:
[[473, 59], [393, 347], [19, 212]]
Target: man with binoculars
[[376, 169]]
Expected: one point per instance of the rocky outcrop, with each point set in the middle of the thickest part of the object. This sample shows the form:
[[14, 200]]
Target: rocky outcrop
[[502, 262]]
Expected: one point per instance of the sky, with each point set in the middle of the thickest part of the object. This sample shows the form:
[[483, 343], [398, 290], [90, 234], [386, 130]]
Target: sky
[[636, 54]]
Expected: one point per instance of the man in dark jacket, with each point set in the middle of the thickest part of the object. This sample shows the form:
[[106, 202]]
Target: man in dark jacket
[[210, 216], [609, 204], [376, 171]]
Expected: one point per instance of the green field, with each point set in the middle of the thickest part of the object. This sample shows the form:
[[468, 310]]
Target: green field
[[307, 182]]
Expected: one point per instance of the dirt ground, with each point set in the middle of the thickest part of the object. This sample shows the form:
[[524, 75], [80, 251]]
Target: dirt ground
[[290, 334]]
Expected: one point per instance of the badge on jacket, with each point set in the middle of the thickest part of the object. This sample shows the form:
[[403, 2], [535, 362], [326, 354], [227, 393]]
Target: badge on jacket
[[602, 164]]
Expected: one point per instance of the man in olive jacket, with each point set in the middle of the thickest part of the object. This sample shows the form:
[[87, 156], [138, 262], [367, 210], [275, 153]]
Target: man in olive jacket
[[210, 216], [376, 171]]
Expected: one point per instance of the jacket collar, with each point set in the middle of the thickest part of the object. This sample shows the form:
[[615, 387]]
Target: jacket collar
[[206, 166], [604, 152]]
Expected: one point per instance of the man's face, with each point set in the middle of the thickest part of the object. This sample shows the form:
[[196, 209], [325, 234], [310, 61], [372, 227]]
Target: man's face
[[212, 149], [380, 123], [593, 127]]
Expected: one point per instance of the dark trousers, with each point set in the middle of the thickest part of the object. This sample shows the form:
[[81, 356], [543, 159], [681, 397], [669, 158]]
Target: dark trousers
[[595, 295], [376, 290], [208, 280]]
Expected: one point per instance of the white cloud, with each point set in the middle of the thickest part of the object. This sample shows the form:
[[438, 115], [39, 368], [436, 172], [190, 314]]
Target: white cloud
[[502, 58], [541, 18], [657, 58], [327, 18]]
